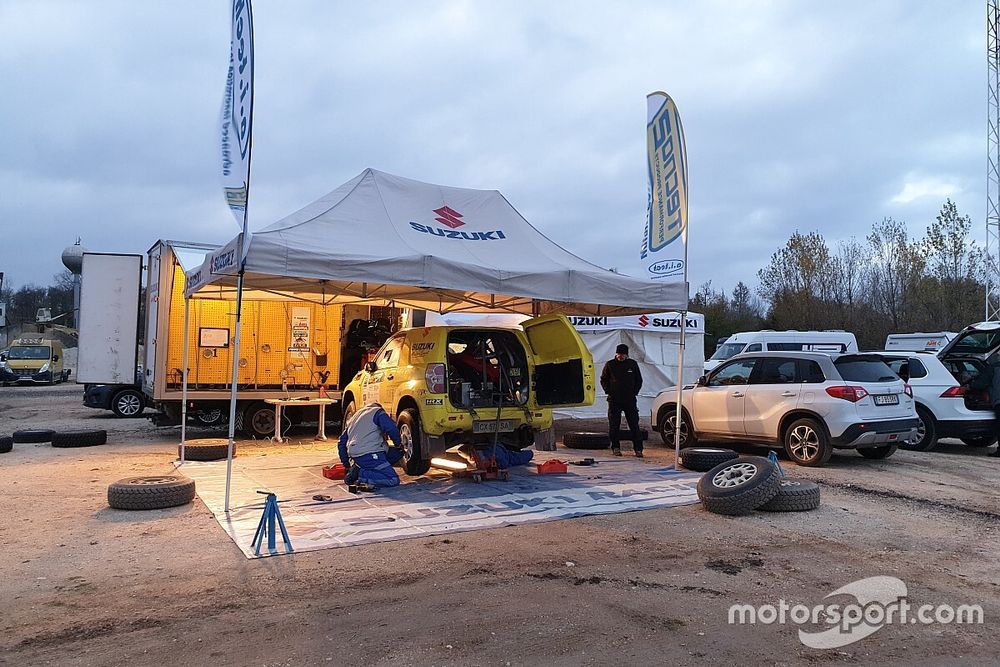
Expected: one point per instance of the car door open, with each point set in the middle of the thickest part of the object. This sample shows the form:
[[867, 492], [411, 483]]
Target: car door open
[[563, 367]]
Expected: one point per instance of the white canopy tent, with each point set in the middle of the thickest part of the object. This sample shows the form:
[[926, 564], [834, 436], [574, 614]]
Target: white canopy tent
[[390, 240]]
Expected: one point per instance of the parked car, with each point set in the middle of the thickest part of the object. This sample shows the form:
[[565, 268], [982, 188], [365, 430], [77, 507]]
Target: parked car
[[944, 407], [33, 359], [782, 341], [449, 385], [809, 403]]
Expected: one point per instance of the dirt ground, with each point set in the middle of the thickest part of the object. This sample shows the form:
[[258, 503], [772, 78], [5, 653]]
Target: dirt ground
[[83, 584]]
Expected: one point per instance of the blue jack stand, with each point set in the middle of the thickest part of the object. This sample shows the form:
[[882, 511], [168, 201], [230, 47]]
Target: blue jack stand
[[773, 458], [266, 525]]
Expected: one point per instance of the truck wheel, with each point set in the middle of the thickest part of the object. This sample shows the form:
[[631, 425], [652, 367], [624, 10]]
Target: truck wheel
[[150, 493], [208, 418], [413, 462], [807, 443], [926, 438], [34, 435], [702, 459], [883, 452], [258, 420], [980, 441], [795, 495], [67, 439], [666, 429], [739, 486], [128, 403]]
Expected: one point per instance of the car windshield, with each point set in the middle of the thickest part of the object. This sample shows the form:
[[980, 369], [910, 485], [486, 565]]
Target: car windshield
[[28, 352], [727, 350], [977, 342], [864, 369]]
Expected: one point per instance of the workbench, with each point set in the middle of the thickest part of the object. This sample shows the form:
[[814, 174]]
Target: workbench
[[279, 403]]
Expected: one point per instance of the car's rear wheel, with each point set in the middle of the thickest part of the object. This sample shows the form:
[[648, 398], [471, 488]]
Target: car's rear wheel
[[412, 439], [882, 452], [667, 426], [980, 441], [926, 438], [807, 443]]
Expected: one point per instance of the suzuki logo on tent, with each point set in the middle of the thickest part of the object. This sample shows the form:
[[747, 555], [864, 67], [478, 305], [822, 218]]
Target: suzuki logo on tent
[[644, 321], [449, 217]]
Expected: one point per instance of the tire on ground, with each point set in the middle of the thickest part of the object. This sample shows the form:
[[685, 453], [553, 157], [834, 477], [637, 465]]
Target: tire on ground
[[79, 438], [150, 493], [739, 486], [980, 441], [928, 440], [414, 462], [626, 435], [881, 452], [6, 444], [206, 449], [34, 435], [586, 440], [702, 459], [795, 495]]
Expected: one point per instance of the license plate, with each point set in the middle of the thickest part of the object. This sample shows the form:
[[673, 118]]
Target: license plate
[[886, 399], [506, 425]]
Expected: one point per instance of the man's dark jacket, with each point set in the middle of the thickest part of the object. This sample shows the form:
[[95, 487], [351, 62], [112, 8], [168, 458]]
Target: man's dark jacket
[[621, 380]]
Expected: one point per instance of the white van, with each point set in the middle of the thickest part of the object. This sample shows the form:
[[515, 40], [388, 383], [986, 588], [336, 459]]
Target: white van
[[783, 341], [918, 342]]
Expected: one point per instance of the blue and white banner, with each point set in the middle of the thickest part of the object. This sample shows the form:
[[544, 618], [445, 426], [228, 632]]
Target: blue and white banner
[[663, 256], [236, 117]]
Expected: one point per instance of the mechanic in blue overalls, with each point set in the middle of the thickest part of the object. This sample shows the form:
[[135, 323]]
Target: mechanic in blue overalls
[[363, 449]]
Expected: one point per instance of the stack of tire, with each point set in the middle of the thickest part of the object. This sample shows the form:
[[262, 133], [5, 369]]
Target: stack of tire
[[62, 439], [737, 485]]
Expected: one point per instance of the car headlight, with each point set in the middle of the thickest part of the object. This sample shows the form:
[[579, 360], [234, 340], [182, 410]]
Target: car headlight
[[44, 368]]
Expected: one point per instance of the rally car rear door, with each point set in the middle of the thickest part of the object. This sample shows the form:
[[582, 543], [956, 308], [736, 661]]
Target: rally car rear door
[[563, 368]]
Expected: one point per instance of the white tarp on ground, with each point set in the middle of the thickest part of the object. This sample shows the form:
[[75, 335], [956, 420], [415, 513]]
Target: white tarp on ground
[[429, 505], [388, 238], [653, 341]]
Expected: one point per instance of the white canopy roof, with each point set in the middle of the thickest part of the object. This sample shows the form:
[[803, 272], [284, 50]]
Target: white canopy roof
[[385, 238]]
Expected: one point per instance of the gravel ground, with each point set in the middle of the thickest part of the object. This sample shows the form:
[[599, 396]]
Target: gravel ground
[[86, 585]]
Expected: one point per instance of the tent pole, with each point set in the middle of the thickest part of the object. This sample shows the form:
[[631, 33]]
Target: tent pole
[[184, 388], [235, 381], [680, 384]]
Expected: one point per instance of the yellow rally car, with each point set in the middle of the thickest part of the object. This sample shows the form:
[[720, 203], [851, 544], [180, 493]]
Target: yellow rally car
[[449, 386]]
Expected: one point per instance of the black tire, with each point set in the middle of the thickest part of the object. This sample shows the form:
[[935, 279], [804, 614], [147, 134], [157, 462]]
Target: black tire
[[150, 493], [626, 435], [980, 441], [882, 452], [794, 495], [739, 486], [413, 461], [807, 443], [702, 459], [68, 439], [258, 420], [666, 429], [34, 435], [6, 444], [210, 418], [926, 433], [586, 440], [206, 449], [128, 403]]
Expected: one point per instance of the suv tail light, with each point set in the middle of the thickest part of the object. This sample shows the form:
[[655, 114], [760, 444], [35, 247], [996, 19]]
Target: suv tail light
[[434, 377], [908, 390], [847, 393], [953, 392]]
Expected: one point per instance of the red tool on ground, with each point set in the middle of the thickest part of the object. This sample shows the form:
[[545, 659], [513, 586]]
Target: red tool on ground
[[336, 471], [552, 467]]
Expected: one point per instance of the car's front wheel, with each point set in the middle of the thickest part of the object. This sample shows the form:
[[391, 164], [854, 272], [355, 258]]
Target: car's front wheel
[[412, 439], [807, 443], [668, 425]]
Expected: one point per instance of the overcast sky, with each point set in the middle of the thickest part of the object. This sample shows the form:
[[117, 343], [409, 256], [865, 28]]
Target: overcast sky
[[798, 115]]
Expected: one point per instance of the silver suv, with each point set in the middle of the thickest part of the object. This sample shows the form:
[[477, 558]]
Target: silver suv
[[809, 403]]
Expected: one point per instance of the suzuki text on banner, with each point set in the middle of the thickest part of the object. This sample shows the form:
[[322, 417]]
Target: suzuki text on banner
[[664, 240]]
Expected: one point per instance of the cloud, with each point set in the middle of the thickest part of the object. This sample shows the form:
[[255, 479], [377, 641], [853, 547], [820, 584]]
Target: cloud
[[916, 188]]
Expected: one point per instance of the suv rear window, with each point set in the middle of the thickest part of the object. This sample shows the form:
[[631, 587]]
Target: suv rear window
[[854, 368]]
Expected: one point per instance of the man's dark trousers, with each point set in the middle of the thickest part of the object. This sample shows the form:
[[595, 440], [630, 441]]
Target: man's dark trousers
[[631, 410]]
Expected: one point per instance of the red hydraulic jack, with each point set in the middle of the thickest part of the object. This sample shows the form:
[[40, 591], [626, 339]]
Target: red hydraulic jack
[[486, 467]]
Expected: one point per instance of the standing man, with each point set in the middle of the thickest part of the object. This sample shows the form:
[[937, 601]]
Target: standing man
[[621, 381], [363, 449], [989, 380]]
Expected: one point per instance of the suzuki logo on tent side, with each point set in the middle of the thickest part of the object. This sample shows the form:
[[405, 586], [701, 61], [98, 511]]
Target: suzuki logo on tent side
[[449, 217], [644, 321]]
